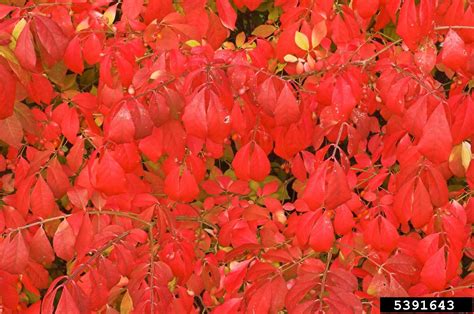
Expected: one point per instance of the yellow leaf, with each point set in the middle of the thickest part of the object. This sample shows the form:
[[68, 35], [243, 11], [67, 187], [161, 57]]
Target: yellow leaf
[[319, 32], [240, 39], [460, 159], [264, 31], [99, 120], [302, 41], [126, 306], [228, 45], [84, 24], [377, 285], [16, 32], [156, 74], [249, 45], [280, 67], [466, 156], [109, 14], [290, 58], [274, 13], [8, 54], [193, 43], [172, 284]]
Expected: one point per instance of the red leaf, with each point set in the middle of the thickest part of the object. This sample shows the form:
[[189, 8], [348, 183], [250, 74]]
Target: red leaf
[[381, 234], [343, 100], [110, 177], [252, 5], [403, 201], [344, 220], [314, 192], [234, 279], [427, 247], [267, 96], [240, 163], [78, 197], [57, 179], [25, 51], [322, 236], [152, 146], [218, 120], [422, 208], [40, 248], [408, 26], [454, 54], [120, 128], [437, 187], [342, 279], [287, 110], [259, 164], [242, 234], [7, 92], [267, 298], [181, 186], [226, 13], [230, 306], [11, 131], [51, 37], [403, 264], [64, 240], [433, 273], [70, 124], [366, 8], [67, 304], [73, 56], [195, 117], [125, 70], [40, 89], [426, 12], [425, 58], [436, 142], [157, 9], [415, 117], [42, 199], [251, 162], [5, 10], [75, 156], [379, 286], [84, 237], [463, 120], [141, 119], [132, 8], [305, 224], [92, 49], [14, 254], [338, 191], [8, 293], [86, 102]]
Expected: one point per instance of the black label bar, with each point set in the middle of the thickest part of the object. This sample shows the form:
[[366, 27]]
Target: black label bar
[[446, 305]]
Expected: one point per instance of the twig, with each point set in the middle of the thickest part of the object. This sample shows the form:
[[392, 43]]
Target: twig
[[97, 254], [447, 27], [37, 223], [323, 280]]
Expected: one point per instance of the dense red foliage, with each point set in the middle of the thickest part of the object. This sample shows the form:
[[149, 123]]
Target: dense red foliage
[[152, 163]]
